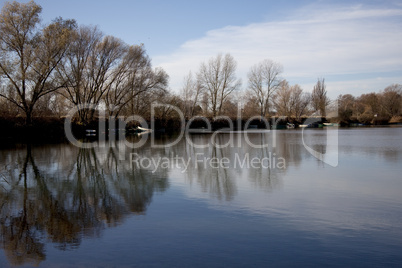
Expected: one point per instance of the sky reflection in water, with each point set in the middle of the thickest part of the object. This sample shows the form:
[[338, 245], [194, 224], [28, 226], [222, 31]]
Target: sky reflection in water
[[70, 206]]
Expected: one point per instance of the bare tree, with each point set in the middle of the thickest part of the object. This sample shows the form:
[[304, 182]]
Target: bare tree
[[249, 109], [391, 100], [191, 95], [264, 79], [89, 71], [346, 106], [282, 99], [371, 103], [299, 101], [133, 77], [186, 94], [151, 86], [319, 97], [7, 108], [166, 108], [219, 80], [291, 100], [29, 54]]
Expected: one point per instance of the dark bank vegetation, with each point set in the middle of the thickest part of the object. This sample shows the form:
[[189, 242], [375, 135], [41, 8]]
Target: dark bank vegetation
[[46, 71]]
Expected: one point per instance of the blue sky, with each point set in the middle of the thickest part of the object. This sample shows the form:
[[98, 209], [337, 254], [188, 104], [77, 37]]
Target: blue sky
[[354, 45]]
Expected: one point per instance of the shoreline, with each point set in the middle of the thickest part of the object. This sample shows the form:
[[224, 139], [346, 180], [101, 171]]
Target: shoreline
[[51, 129]]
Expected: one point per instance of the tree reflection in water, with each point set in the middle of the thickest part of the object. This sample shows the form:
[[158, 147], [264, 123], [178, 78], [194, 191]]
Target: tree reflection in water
[[222, 182], [40, 203], [60, 194]]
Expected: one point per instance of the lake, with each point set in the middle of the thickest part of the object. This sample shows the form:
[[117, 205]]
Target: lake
[[297, 197]]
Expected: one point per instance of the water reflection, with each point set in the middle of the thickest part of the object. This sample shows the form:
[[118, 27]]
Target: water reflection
[[221, 182], [217, 163], [59, 195], [379, 142], [62, 194], [62, 201]]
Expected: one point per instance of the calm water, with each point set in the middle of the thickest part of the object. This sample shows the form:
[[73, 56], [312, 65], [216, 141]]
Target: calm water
[[237, 205]]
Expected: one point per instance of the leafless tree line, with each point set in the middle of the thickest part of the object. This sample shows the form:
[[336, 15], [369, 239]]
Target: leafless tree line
[[62, 65], [370, 107], [49, 70], [215, 91]]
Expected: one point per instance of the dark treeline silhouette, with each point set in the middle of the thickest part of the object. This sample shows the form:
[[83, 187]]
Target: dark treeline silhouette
[[45, 71]]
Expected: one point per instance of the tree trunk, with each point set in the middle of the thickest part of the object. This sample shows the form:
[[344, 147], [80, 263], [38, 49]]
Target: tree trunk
[[28, 117]]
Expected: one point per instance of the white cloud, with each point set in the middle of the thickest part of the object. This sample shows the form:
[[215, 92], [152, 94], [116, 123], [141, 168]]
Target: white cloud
[[358, 86], [311, 44]]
